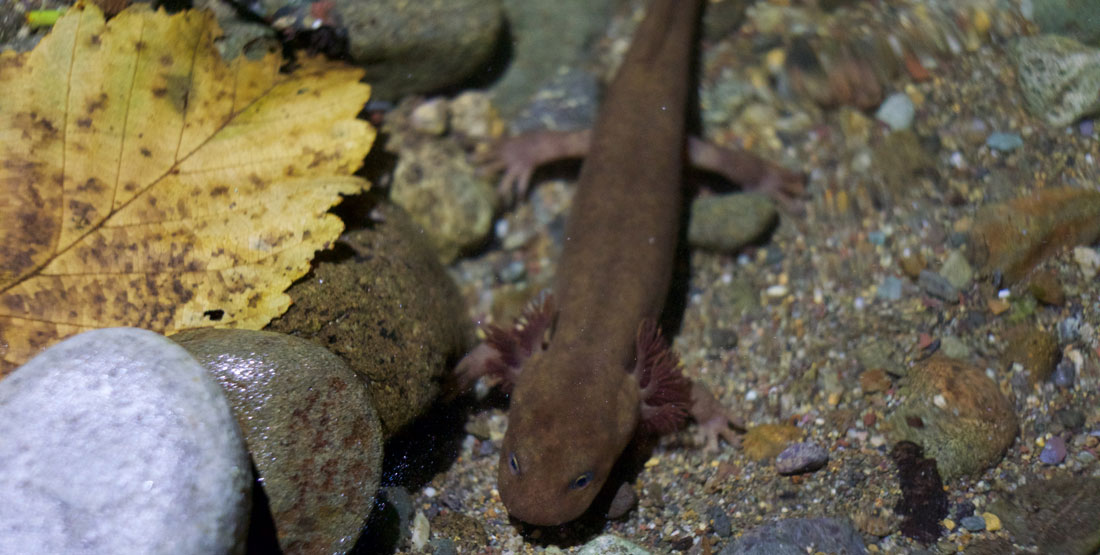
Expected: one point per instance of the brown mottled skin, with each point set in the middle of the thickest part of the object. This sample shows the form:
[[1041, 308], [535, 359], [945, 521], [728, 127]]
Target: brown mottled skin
[[576, 405]]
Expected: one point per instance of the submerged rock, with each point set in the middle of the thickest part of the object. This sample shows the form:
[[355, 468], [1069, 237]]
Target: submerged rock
[[118, 441], [957, 414], [310, 427], [389, 310]]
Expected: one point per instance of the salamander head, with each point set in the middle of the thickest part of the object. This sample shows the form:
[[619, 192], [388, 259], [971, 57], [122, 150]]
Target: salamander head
[[559, 449]]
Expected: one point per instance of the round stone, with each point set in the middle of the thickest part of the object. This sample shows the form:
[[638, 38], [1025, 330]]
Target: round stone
[[118, 441], [311, 428], [957, 414]]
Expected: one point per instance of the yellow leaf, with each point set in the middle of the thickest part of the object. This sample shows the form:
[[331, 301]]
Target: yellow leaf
[[146, 182]]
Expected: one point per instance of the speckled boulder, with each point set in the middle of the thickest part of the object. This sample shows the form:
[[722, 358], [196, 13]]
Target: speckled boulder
[[117, 441], [1060, 77], [956, 414], [310, 426], [389, 310]]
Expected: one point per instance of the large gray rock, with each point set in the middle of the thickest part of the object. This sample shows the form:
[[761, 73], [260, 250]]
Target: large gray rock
[[117, 441], [406, 47], [311, 429]]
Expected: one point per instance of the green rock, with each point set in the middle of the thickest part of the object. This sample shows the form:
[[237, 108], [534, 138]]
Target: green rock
[[727, 223]]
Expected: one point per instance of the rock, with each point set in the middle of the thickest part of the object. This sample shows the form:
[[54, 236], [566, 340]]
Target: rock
[[609, 544], [937, 286], [570, 25], [311, 429], [117, 441], [1004, 142], [567, 102], [797, 536], [726, 223], [1065, 374], [1057, 515], [1015, 236], [953, 347], [957, 414], [418, 535], [436, 184], [974, 523], [406, 47], [956, 270], [896, 111], [1058, 76], [1088, 260], [889, 289], [250, 38], [721, 524], [1036, 350], [391, 312], [801, 458], [1054, 452], [1070, 18]]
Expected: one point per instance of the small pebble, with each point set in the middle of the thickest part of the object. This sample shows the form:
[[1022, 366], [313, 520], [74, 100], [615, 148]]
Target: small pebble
[[992, 522], [723, 527], [513, 272], [956, 270], [1004, 142], [889, 289], [1054, 452], [937, 286], [800, 458], [974, 523], [420, 531], [1069, 330], [1065, 373], [1088, 260], [430, 117], [896, 111]]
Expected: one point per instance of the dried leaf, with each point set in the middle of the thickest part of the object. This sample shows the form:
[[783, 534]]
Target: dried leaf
[[146, 182]]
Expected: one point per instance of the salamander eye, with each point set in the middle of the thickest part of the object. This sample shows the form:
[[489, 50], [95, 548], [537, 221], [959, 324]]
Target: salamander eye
[[513, 463], [581, 481]]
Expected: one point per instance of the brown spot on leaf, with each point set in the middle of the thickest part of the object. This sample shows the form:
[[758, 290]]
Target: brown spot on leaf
[[92, 185], [84, 123], [146, 152]]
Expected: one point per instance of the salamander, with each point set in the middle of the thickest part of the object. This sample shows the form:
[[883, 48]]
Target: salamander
[[586, 365]]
